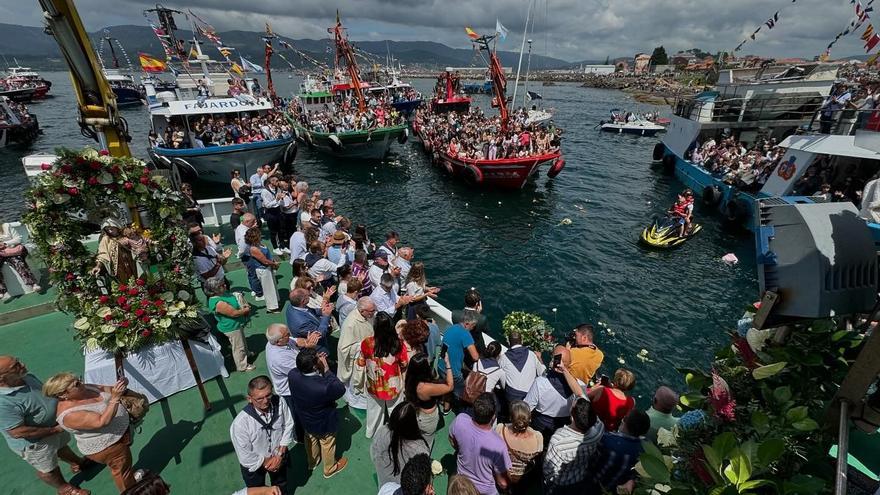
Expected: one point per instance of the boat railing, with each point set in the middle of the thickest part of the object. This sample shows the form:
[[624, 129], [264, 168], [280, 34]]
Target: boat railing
[[846, 122], [795, 107]]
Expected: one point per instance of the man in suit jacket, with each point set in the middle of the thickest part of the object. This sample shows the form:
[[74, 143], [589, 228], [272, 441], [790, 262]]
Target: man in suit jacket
[[304, 321], [315, 390], [473, 302]]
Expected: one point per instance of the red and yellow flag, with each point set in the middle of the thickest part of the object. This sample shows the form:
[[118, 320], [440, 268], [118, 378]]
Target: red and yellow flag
[[237, 69], [471, 33], [150, 63], [869, 31]]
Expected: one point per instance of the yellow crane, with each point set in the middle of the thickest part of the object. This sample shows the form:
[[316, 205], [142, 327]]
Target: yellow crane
[[99, 117]]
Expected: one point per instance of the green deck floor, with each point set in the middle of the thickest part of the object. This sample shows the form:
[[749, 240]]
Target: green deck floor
[[190, 448]]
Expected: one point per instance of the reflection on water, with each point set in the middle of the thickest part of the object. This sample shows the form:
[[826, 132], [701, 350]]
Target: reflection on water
[[516, 247]]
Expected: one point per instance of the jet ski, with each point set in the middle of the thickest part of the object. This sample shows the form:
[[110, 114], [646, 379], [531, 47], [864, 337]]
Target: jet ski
[[664, 234]]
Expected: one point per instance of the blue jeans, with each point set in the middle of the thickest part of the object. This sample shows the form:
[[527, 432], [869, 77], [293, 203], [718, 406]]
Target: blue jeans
[[258, 205], [253, 280]]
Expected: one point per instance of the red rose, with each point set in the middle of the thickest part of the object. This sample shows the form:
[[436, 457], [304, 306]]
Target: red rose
[[115, 169], [72, 191], [121, 300], [66, 168], [124, 324], [103, 152], [126, 307], [145, 180], [141, 282], [123, 287], [70, 277], [93, 181], [139, 312], [145, 319], [146, 333], [108, 317], [104, 299], [162, 312], [45, 166], [145, 303], [133, 291], [128, 186], [159, 302], [95, 165]]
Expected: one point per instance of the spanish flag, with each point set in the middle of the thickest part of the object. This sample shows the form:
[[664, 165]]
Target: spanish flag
[[471, 33], [150, 63]]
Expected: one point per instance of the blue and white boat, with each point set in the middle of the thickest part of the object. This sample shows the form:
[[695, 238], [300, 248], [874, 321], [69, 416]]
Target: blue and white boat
[[402, 95], [774, 101], [128, 92]]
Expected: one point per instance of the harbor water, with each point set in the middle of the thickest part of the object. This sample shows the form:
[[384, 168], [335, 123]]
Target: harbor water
[[564, 248]]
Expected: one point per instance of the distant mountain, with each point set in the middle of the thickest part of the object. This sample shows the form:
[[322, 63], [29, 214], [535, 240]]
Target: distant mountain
[[32, 46]]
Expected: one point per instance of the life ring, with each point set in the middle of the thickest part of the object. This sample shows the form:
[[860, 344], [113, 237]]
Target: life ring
[[473, 174], [712, 195], [403, 136], [659, 151], [557, 167], [335, 142], [736, 211], [669, 163]]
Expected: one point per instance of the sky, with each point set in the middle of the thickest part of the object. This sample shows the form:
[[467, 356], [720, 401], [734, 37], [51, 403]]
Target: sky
[[572, 30]]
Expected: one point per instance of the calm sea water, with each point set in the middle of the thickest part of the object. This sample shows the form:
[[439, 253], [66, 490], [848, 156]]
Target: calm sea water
[[517, 248]]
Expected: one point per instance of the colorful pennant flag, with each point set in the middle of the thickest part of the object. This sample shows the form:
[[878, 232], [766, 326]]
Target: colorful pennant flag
[[249, 66], [225, 50], [872, 59], [868, 32], [237, 69], [150, 63], [772, 21], [471, 33]]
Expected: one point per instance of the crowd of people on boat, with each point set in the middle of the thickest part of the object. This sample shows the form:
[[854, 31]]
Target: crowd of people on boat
[[747, 167], [516, 419], [344, 115], [18, 111], [474, 135], [222, 130]]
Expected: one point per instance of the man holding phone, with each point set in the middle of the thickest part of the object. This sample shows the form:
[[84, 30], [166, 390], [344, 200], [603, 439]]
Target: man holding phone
[[458, 342], [551, 396]]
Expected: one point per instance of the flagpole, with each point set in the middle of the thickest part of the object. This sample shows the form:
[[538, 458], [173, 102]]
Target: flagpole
[[521, 49]]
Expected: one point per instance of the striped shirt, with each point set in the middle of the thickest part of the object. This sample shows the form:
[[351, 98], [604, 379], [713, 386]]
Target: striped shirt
[[568, 456], [615, 459]]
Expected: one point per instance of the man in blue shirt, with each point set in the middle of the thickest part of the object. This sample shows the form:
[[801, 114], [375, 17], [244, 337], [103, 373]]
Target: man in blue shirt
[[303, 322], [262, 174], [619, 451], [459, 341], [27, 420]]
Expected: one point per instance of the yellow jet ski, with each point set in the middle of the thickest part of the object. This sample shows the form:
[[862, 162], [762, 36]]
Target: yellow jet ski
[[665, 235]]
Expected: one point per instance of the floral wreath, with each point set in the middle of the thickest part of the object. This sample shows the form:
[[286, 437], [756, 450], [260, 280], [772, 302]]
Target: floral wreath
[[536, 333], [76, 192]]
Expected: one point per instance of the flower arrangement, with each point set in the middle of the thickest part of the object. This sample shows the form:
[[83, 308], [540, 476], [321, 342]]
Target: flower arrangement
[[535, 332], [64, 203]]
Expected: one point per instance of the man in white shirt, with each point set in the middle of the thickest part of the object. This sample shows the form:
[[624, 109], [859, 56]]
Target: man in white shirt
[[390, 246], [521, 366], [381, 266], [567, 461], [386, 298], [404, 262], [261, 434], [271, 199], [280, 359], [248, 220], [298, 246], [550, 397]]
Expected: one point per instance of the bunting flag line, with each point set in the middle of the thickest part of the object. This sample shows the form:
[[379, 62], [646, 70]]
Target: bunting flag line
[[872, 59], [471, 33], [862, 14], [501, 30], [868, 32], [770, 23], [150, 63], [237, 69], [249, 66], [872, 42]]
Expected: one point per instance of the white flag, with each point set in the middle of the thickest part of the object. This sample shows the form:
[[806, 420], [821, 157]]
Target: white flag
[[249, 66], [501, 30]]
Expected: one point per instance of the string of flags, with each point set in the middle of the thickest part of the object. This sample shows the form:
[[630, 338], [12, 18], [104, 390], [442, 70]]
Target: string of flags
[[770, 23], [861, 15]]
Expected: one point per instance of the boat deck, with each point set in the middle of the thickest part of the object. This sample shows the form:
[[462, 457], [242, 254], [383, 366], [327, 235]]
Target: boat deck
[[188, 446]]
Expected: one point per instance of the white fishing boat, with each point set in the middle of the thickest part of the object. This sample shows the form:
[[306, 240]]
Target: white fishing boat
[[179, 107], [631, 123]]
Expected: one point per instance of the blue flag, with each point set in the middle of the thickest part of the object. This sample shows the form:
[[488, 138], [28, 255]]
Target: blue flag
[[249, 66], [534, 96]]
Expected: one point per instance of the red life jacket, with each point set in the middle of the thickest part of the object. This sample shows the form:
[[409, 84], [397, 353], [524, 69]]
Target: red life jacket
[[680, 208]]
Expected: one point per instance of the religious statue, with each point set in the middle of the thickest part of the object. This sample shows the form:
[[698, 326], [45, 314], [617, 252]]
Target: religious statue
[[114, 253]]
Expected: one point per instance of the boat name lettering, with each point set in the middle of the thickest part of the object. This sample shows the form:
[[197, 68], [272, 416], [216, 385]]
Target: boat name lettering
[[214, 104]]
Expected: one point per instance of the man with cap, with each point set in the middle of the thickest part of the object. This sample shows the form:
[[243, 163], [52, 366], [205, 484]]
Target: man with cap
[[660, 412], [336, 253], [381, 266], [386, 298]]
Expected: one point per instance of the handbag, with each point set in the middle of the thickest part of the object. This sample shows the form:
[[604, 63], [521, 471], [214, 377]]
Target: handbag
[[474, 385], [137, 406]]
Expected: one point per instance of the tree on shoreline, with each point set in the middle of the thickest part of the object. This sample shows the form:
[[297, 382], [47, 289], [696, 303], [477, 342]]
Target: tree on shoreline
[[659, 57]]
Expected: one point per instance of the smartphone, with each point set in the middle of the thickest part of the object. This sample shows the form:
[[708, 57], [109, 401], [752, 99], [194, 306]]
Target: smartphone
[[443, 349], [604, 381], [557, 360]]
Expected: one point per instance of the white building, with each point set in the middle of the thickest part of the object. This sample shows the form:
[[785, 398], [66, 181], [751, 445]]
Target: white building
[[599, 70]]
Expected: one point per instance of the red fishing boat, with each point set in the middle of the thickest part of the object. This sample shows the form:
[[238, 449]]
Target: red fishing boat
[[501, 173], [447, 95]]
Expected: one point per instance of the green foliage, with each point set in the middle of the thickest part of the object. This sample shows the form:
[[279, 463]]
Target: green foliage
[[535, 332], [774, 443], [659, 57]]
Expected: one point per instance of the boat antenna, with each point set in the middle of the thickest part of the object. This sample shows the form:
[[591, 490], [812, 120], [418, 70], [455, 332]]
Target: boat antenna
[[522, 49], [528, 68]]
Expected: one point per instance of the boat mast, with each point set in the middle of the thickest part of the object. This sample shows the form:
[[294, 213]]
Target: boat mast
[[268, 39], [521, 50], [345, 52], [499, 81], [528, 69]]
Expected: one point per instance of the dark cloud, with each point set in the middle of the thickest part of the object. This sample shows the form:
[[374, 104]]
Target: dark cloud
[[568, 29]]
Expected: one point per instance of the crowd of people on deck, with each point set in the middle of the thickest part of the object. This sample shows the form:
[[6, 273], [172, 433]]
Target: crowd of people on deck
[[747, 167], [344, 115], [521, 419], [222, 130], [19, 111], [474, 135]]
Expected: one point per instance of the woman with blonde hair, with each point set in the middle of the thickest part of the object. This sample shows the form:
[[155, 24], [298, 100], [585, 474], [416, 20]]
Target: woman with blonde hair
[[417, 287], [610, 401], [524, 444], [460, 485], [98, 423]]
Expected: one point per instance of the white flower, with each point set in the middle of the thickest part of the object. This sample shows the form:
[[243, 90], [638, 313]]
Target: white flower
[[621, 360], [757, 338], [105, 178], [183, 295], [665, 438], [59, 199], [90, 154], [82, 324], [436, 467]]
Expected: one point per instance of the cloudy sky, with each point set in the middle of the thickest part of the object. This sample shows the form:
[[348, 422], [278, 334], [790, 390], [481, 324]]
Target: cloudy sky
[[568, 29]]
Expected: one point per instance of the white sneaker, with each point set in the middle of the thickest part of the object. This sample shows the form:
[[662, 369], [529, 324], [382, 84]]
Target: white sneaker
[[277, 252], [285, 250], [259, 298], [5, 297], [36, 288]]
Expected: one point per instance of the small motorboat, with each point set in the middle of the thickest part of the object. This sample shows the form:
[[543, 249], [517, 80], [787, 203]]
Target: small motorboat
[[664, 234], [630, 123]]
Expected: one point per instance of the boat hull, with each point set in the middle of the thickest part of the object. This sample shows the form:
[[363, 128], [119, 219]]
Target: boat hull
[[20, 135], [215, 164], [407, 107], [496, 174], [364, 145], [20, 95], [127, 97], [634, 130]]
